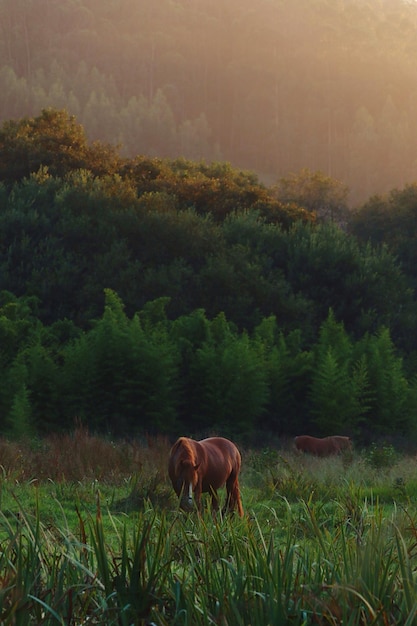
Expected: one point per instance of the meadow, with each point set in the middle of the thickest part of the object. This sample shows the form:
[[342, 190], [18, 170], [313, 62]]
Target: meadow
[[91, 533]]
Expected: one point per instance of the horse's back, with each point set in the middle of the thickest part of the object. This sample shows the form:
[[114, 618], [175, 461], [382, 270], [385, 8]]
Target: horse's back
[[212, 452], [220, 443], [221, 451], [343, 443], [325, 446]]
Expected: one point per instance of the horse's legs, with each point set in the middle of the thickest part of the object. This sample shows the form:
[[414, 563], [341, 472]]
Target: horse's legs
[[214, 500], [197, 496]]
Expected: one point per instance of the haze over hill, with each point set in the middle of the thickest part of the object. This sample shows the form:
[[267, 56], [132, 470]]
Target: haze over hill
[[273, 86]]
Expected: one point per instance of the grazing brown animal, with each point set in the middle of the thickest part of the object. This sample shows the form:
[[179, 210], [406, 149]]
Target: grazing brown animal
[[195, 467], [325, 446]]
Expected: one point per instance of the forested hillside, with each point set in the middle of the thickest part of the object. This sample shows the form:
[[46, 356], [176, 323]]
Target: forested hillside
[[273, 86], [148, 295]]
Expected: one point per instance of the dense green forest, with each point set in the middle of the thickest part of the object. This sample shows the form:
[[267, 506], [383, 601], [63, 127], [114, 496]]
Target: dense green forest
[[273, 86], [146, 295]]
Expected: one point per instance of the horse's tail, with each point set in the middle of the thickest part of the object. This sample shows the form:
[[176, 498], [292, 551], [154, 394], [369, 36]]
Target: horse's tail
[[235, 500], [240, 507]]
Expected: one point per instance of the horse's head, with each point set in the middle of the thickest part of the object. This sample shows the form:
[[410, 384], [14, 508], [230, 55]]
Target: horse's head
[[186, 480]]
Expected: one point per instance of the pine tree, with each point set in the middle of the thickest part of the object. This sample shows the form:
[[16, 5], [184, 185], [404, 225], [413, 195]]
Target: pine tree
[[19, 418], [393, 407], [339, 387]]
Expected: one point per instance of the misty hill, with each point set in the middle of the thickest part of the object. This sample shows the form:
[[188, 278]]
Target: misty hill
[[273, 86]]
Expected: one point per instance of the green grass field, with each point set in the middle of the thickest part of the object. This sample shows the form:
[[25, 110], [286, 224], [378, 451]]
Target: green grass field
[[91, 533]]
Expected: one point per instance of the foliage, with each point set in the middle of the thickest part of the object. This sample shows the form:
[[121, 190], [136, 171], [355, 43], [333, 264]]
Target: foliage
[[53, 140], [157, 295], [336, 272], [129, 375], [381, 457], [149, 374], [391, 408], [391, 220], [20, 415], [340, 391], [288, 369], [227, 376], [316, 192]]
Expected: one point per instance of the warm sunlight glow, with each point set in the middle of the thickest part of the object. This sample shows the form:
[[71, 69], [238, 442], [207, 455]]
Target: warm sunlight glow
[[273, 86]]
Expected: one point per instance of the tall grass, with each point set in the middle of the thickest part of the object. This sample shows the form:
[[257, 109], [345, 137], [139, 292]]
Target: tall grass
[[313, 547], [169, 568]]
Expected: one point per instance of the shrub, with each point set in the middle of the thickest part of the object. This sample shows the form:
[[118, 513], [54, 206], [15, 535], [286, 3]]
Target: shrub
[[381, 456]]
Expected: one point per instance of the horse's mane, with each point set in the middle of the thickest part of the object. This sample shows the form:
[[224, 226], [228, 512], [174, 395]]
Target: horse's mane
[[183, 450]]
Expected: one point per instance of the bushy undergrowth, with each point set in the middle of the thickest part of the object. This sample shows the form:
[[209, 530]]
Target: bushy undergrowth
[[323, 541], [381, 457], [80, 455]]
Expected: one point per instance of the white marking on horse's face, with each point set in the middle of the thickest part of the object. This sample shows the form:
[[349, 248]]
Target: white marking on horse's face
[[187, 496]]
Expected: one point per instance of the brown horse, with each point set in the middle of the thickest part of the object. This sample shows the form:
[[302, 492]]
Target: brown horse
[[323, 447], [205, 466]]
